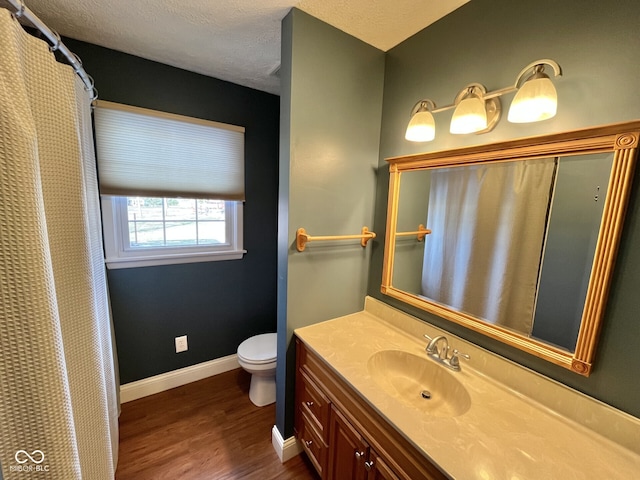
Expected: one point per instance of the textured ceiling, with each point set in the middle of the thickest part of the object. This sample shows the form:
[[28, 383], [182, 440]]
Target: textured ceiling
[[234, 40]]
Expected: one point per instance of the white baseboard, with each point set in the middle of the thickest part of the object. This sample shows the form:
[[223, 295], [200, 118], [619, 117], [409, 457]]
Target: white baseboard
[[286, 449], [176, 378]]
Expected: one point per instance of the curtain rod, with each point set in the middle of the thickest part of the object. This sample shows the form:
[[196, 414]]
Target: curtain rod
[[22, 11]]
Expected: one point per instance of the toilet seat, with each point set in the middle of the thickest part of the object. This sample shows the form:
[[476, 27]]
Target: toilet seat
[[259, 349]]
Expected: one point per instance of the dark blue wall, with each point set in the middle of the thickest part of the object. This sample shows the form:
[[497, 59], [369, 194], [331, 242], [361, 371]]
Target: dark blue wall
[[217, 304]]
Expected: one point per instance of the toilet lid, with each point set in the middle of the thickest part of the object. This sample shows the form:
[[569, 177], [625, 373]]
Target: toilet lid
[[258, 349]]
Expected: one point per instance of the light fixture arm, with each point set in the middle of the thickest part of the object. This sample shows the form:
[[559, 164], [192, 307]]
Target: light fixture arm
[[557, 70], [424, 105], [477, 89]]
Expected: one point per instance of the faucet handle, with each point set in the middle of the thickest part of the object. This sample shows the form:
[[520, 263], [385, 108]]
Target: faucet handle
[[454, 361], [427, 337]]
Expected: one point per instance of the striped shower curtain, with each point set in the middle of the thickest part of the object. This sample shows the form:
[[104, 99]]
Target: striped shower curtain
[[58, 404]]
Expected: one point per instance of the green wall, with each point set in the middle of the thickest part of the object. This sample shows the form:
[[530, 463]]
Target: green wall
[[331, 106], [490, 41]]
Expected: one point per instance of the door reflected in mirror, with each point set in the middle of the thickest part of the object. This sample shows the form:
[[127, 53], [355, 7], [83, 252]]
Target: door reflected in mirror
[[522, 237]]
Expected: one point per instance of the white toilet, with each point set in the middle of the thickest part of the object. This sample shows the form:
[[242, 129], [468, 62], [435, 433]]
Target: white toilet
[[257, 355]]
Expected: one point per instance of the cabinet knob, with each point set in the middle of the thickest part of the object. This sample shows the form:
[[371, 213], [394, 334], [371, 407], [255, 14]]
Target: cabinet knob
[[309, 404], [308, 443], [368, 466], [359, 455]]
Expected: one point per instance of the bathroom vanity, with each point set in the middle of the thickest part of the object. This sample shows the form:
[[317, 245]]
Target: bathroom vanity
[[361, 412], [343, 436]]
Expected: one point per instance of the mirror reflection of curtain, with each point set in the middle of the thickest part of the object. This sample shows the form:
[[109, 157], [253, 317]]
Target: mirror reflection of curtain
[[58, 393], [488, 226]]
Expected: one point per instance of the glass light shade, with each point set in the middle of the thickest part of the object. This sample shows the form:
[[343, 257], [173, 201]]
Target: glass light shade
[[535, 101], [421, 128], [469, 116]]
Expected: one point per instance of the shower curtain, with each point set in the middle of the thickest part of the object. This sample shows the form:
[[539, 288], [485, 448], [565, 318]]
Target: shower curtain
[[58, 403], [488, 226]]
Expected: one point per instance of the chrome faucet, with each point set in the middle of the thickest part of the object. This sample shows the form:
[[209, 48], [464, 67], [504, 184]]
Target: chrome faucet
[[433, 349], [438, 350]]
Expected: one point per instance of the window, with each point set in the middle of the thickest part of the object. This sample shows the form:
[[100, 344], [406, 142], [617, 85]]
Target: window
[[173, 222], [144, 231], [172, 187]]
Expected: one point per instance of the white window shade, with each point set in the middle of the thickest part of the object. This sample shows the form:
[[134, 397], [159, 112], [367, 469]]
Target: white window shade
[[147, 153]]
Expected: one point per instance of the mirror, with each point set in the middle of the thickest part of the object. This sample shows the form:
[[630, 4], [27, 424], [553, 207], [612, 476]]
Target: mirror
[[515, 240]]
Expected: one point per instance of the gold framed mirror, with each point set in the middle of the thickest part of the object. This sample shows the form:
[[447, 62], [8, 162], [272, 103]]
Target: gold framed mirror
[[516, 240]]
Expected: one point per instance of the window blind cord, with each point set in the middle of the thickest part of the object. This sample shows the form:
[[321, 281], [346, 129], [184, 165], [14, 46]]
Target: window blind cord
[[22, 12]]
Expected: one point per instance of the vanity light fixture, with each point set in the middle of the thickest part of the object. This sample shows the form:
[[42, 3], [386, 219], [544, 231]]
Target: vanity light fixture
[[478, 111], [474, 112], [422, 126], [537, 98]]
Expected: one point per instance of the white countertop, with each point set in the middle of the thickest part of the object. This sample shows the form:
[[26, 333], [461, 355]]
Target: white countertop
[[503, 435]]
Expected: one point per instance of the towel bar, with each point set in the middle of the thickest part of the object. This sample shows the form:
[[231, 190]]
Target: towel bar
[[302, 238]]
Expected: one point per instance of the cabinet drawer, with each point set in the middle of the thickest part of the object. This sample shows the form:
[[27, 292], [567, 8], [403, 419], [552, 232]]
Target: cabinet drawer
[[313, 444], [314, 404]]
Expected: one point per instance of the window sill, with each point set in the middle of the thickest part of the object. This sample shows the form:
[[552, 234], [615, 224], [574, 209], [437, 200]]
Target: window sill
[[133, 262]]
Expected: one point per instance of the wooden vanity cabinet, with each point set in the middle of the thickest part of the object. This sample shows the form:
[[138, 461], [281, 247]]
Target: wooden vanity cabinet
[[343, 436]]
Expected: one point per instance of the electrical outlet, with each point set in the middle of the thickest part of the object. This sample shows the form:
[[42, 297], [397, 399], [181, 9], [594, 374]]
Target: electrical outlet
[[181, 344]]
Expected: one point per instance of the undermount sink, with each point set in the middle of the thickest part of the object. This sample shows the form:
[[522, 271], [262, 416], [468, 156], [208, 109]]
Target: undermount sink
[[419, 383]]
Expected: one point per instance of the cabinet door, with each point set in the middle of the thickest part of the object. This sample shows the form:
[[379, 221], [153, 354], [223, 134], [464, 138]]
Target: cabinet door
[[347, 450], [378, 470]]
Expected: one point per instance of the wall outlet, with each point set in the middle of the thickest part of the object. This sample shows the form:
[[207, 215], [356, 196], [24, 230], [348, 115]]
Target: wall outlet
[[181, 344]]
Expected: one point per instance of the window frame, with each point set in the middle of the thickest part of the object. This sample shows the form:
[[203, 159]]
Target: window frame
[[118, 254]]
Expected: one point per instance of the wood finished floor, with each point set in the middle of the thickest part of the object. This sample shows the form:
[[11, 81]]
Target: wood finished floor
[[206, 430]]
